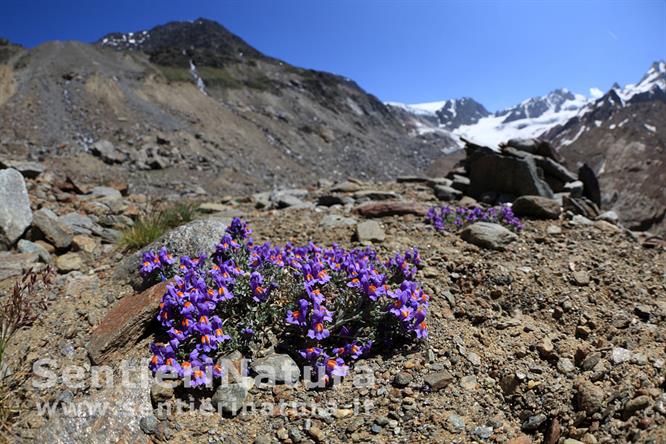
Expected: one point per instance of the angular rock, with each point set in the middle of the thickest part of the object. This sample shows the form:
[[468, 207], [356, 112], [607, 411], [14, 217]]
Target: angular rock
[[15, 213], [503, 174], [84, 243], [635, 405], [367, 195], [536, 207], [328, 200], [335, 220], [438, 380], [609, 216], [107, 152], [620, 355], [30, 170], [69, 262], [370, 231], [391, 208], [460, 183], [229, 398], [575, 188], [52, 229], [105, 193], [581, 278], [193, 238], [591, 188], [212, 207], [488, 235], [346, 187], [78, 223], [580, 205], [589, 397], [25, 246], [15, 264], [125, 323], [277, 368], [446, 194]]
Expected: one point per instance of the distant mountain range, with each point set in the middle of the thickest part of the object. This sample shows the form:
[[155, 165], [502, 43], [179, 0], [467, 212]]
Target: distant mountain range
[[621, 134]]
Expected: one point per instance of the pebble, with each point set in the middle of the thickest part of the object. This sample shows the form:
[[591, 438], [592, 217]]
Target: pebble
[[581, 278], [438, 380], [483, 432], [456, 422], [620, 355], [148, 424], [402, 379], [534, 422], [565, 366], [295, 435], [637, 404]]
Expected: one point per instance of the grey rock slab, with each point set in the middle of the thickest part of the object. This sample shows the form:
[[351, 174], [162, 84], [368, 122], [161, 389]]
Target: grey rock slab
[[193, 238], [488, 235], [15, 212], [57, 233], [25, 246], [536, 207], [278, 368], [370, 231]]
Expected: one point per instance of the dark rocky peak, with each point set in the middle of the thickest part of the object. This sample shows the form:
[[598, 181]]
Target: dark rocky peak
[[457, 112], [554, 101], [203, 41]]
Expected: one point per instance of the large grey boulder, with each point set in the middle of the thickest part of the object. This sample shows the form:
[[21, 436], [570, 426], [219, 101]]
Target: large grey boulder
[[198, 236], [488, 235], [503, 174], [15, 212], [536, 207]]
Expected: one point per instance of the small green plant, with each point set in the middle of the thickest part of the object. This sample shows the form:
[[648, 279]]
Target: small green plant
[[149, 228]]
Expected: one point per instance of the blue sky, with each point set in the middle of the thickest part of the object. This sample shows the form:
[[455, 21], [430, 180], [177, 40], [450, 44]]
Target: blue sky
[[499, 52]]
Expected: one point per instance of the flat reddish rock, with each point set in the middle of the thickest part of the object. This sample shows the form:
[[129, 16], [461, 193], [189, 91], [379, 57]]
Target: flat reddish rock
[[125, 323], [391, 208]]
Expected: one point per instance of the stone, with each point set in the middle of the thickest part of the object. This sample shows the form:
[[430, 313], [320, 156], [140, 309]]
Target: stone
[[565, 366], [105, 193], [488, 235], [534, 422], [438, 380], [591, 188], [581, 278], [230, 397], [15, 264], [25, 246], [107, 152], [391, 208], [469, 382], [262, 200], [620, 355], [402, 379], [346, 187], [212, 207], [636, 405], [69, 262], [536, 207], [483, 432], [581, 220], [609, 216], [335, 220], [328, 200], [148, 424], [522, 439], [460, 183], [370, 231], [554, 432], [580, 205], [446, 193], [367, 195], [84, 243], [161, 392], [198, 236], [546, 349], [575, 188], [58, 234], [590, 361], [455, 422], [316, 434], [125, 323], [15, 213], [554, 230], [589, 397], [277, 368], [489, 171], [78, 223], [606, 226], [28, 169]]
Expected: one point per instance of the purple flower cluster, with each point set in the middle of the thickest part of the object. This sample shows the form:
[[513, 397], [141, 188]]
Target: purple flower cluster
[[454, 218], [330, 304]]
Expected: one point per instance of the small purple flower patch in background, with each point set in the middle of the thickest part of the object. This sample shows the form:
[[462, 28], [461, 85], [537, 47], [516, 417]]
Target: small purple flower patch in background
[[448, 218]]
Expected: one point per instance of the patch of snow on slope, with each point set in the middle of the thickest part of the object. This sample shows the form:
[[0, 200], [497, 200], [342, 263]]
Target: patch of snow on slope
[[566, 142], [650, 127], [412, 109], [197, 78], [492, 130]]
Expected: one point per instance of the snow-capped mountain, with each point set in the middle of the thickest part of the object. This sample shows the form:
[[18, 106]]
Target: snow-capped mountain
[[468, 118]]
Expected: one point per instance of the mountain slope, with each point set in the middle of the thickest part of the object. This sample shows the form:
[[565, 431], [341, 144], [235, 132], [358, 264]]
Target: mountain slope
[[191, 97], [622, 136]]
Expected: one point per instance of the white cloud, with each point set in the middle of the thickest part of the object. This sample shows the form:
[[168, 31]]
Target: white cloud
[[596, 93]]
